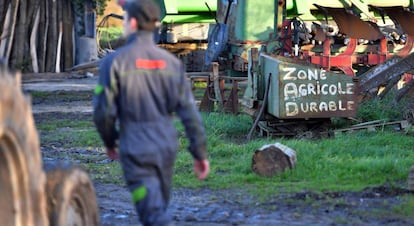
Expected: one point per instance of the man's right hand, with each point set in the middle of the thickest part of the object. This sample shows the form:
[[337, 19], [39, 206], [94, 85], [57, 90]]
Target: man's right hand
[[201, 168], [112, 153]]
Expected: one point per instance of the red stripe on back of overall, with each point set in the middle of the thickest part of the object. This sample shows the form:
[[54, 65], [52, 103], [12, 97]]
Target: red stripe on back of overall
[[150, 64]]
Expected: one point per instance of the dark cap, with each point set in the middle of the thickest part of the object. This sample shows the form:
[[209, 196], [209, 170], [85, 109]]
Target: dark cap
[[147, 12]]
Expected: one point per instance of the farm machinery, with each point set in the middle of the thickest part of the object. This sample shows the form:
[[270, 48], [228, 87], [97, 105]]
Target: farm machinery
[[32, 193], [306, 62], [301, 63]]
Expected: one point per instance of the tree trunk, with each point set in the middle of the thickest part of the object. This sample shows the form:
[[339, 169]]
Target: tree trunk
[[43, 31], [59, 47], [273, 159], [4, 4], [30, 30], [52, 37], [67, 44], [13, 23], [17, 57], [4, 38], [33, 46]]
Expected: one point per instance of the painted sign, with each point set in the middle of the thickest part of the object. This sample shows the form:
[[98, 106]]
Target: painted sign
[[305, 91]]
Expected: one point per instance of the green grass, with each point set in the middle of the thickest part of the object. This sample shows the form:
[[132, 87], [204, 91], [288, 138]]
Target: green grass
[[61, 95], [349, 162], [406, 208], [69, 133], [51, 126], [384, 108], [39, 94], [106, 173]]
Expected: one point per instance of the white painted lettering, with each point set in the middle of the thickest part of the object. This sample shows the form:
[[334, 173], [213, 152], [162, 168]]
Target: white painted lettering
[[289, 73], [291, 109], [318, 88], [340, 89], [312, 74], [341, 107], [305, 88], [302, 90], [290, 90], [304, 107], [349, 88], [302, 75], [323, 89], [311, 89], [332, 106], [313, 107], [332, 90], [350, 105], [323, 106], [322, 75]]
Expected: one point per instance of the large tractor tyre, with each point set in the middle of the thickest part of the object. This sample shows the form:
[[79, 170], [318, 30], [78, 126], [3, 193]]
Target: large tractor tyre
[[22, 180], [71, 197]]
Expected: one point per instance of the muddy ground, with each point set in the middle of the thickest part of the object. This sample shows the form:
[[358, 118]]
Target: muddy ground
[[205, 207]]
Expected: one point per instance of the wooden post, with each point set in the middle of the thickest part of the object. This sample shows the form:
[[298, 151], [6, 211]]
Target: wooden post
[[217, 85]]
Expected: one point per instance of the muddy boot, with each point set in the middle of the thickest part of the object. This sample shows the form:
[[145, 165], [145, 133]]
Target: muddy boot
[[411, 179]]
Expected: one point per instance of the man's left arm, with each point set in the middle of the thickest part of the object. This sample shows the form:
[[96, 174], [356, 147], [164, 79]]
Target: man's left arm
[[104, 104], [191, 119]]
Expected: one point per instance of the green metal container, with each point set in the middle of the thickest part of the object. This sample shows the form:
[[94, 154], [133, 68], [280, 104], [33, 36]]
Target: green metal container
[[188, 11], [248, 21], [303, 91], [185, 6]]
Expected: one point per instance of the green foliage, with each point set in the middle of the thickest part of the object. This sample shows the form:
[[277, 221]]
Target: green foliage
[[99, 5], [384, 109], [108, 34]]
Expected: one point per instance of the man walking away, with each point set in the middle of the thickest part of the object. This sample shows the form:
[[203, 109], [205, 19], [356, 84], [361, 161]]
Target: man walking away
[[140, 88]]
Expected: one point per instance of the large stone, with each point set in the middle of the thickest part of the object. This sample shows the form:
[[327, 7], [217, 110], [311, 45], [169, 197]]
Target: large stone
[[86, 50], [272, 159]]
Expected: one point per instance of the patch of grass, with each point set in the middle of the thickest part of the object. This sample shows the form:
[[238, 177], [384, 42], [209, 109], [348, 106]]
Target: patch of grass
[[349, 162], [80, 95], [72, 138], [106, 173], [342, 221], [69, 132], [405, 209], [39, 94], [50, 126]]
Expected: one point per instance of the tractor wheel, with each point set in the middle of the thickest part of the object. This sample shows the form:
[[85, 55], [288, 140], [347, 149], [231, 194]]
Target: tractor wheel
[[71, 197], [22, 180]]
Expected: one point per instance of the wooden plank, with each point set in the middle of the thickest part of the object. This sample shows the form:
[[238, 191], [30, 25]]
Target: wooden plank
[[372, 127]]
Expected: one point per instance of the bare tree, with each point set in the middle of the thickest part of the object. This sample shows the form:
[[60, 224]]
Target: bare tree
[[39, 35]]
